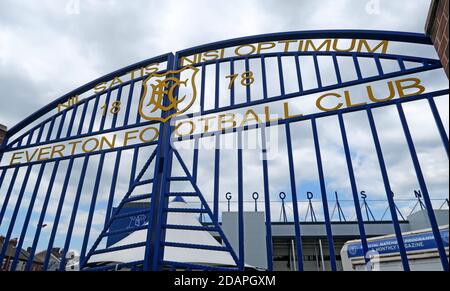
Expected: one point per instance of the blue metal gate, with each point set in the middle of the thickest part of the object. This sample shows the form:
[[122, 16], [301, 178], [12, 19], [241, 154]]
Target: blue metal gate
[[68, 177]]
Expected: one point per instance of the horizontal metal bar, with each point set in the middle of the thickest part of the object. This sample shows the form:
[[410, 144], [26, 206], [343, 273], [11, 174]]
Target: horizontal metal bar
[[113, 267], [143, 227], [137, 198], [121, 248], [185, 210], [182, 194], [145, 182], [129, 214], [194, 246], [178, 179], [189, 227], [199, 267]]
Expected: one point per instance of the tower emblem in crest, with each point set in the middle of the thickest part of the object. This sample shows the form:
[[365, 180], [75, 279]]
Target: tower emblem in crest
[[159, 94]]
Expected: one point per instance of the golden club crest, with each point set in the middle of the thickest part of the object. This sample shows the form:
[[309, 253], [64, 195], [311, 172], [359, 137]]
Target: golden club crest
[[160, 90]]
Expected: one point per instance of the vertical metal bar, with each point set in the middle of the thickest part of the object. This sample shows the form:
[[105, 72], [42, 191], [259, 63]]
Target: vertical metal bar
[[298, 236], [439, 123], [269, 244], [42, 216], [241, 203], [2, 177], [195, 160], [72, 120], [14, 215], [58, 214], [76, 203], [401, 64], [107, 101], [8, 194], [299, 73], [232, 93], [130, 100], [133, 166], [118, 99], [217, 177], [280, 73], [61, 124], [357, 66], [159, 198], [424, 188], [387, 186], [323, 190], [217, 92], [92, 207], [94, 113], [113, 187], [150, 245], [337, 69], [379, 66], [138, 116], [317, 69], [264, 76], [30, 137], [27, 217], [83, 117], [41, 132], [351, 174], [248, 89], [202, 89]]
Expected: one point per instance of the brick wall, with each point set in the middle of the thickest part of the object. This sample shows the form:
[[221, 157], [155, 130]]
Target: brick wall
[[2, 133], [437, 28]]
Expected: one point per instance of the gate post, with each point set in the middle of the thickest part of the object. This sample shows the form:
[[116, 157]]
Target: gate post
[[437, 28]]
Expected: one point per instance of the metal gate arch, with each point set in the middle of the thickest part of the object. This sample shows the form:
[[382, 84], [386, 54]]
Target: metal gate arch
[[164, 155]]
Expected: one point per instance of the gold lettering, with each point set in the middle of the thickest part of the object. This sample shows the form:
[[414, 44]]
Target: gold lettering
[[84, 147], [192, 130], [250, 115], [310, 43], [27, 156], [58, 149], [351, 48], [263, 46], [364, 43], [129, 136], [349, 101], [416, 84], [100, 87], [238, 52], [43, 152], [206, 120], [155, 135], [287, 44], [15, 157], [287, 115], [227, 118], [375, 99], [267, 112], [321, 107], [116, 81], [111, 143], [74, 146]]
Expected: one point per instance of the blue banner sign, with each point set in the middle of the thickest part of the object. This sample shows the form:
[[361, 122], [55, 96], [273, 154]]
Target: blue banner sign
[[414, 242]]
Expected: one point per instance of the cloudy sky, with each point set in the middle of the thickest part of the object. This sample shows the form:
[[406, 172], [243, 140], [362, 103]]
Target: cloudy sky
[[50, 47]]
